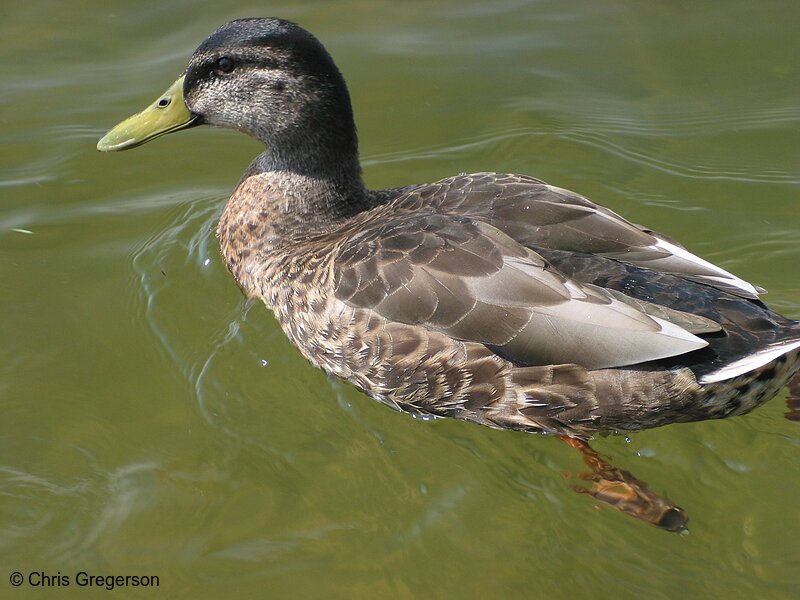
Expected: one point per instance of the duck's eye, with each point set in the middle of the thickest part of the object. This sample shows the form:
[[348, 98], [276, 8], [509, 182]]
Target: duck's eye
[[225, 65]]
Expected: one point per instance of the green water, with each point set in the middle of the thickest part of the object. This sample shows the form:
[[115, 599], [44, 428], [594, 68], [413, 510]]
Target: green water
[[153, 424]]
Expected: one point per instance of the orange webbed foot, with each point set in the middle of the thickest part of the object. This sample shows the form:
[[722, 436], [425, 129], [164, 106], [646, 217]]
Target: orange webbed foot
[[626, 493]]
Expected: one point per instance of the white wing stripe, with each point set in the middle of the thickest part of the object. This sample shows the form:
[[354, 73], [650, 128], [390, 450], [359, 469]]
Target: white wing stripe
[[722, 273]]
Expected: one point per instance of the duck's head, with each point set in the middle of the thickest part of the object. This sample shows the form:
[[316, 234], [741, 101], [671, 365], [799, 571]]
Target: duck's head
[[268, 78]]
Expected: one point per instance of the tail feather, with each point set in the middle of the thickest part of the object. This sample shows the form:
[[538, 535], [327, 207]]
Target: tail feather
[[750, 362]]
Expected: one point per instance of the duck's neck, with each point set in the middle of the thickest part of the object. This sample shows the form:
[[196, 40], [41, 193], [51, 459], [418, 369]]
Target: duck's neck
[[276, 206], [315, 191], [284, 199]]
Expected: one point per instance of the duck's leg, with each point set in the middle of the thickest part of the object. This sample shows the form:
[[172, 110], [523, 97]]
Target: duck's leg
[[793, 401], [624, 492]]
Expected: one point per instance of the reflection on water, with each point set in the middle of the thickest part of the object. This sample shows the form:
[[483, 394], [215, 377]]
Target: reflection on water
[[153, 421]]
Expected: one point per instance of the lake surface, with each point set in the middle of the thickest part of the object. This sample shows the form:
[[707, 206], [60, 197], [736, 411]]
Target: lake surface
[[155, 424]]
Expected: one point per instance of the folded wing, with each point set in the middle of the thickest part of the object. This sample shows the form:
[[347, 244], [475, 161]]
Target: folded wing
[[540, 215], [471, 281]]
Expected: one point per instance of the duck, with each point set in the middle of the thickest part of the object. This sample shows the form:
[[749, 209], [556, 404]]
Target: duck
[[491, 298]]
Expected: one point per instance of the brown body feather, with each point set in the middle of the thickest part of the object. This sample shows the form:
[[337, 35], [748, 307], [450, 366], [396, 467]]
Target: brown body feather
[[383, 299]]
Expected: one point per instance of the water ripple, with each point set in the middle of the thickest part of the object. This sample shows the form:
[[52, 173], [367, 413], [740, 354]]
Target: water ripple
[[72, 517], [499, 141], [182, 244]]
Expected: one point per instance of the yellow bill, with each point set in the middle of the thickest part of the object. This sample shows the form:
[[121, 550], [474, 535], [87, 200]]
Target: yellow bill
[[165, 115]]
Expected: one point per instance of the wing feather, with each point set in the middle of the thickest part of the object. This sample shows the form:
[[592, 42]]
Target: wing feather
[[471, 281], [539, 215]]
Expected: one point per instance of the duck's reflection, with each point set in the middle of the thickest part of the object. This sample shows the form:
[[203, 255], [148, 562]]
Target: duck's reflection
[[793, 401]]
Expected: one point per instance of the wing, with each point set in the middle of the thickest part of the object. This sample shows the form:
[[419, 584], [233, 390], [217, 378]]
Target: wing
[[471, 281], [540, 215]]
